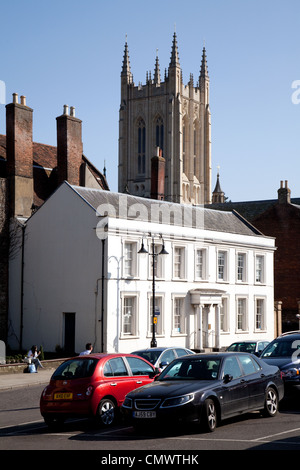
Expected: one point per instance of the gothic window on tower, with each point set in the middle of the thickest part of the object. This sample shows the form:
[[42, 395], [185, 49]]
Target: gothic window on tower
[[141, 146], [159, 134]]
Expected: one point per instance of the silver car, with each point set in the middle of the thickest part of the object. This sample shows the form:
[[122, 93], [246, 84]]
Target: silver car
[[253, 347], [160, 357]]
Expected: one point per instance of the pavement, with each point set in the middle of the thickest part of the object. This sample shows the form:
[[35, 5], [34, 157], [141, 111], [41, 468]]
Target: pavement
[[19, 379]]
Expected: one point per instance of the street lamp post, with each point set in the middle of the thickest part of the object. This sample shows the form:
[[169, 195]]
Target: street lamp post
[[154, 255]]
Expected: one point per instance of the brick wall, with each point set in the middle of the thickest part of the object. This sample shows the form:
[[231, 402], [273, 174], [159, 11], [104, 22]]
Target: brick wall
[[282, 221]]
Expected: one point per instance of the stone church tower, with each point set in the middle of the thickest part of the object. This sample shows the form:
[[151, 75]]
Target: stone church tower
[[165, 125]]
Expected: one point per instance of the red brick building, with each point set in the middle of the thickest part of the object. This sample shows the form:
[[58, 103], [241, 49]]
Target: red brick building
[[30, 172]]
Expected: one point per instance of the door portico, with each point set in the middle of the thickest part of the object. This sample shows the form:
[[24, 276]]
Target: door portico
[[207, 304]]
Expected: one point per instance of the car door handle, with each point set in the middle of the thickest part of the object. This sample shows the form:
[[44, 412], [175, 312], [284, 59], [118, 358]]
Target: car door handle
[[262, 375], [113, 384], [139, 382]]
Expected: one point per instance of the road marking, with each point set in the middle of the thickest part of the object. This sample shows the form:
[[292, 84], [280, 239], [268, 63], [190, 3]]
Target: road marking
[[277, 434], [20, 424]]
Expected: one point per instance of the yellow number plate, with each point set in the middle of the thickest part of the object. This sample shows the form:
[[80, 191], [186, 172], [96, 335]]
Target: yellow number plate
[[63, 396]]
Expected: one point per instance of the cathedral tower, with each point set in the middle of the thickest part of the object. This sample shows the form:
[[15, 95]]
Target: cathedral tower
[[174, 117]]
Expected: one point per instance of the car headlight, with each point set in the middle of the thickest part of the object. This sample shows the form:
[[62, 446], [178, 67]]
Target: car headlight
[[292, 372], [127, 403], [177, 401]]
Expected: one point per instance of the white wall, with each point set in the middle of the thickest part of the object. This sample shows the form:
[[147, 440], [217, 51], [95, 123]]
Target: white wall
[[62, 264], [63, 271]]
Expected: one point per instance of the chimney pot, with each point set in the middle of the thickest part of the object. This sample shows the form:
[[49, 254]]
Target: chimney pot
[[66, 109], [72, 111], [15, 98], [23, 100], [284, 193]]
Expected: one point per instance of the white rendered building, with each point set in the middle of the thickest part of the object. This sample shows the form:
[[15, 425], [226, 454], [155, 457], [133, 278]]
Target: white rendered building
[[83, 278]]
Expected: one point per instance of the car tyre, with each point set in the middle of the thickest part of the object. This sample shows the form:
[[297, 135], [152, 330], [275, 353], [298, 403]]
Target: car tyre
[[106, 412], [209, 419], [271, 402]]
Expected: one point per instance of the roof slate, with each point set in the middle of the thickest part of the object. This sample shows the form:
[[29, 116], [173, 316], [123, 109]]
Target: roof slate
[[126, 206]]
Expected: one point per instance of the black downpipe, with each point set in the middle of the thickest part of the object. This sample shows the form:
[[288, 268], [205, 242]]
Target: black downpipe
[[102, 294]]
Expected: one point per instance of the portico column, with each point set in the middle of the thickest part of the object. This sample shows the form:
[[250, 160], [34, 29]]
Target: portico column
[[200, 334], [217, 340]]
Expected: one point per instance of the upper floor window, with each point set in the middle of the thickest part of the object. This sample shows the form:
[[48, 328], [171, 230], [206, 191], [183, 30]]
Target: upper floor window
[[141, 147], [200, 262], [259, 269], [241, 267], [158, 263], [179, 262], [222, 265], [130, 259]]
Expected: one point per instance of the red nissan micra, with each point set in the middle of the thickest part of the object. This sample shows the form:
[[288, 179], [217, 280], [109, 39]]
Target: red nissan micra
[[93, 385]]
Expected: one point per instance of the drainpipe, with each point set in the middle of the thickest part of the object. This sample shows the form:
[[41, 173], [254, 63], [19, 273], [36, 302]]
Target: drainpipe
[[102, 295]]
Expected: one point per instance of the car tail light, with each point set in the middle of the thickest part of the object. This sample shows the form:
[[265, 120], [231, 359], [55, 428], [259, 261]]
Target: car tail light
[[45, 394]]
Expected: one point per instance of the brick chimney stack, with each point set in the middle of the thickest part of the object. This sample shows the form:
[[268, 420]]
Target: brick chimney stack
[[69, 147], [19, 148], [158, 175], [284, 193]]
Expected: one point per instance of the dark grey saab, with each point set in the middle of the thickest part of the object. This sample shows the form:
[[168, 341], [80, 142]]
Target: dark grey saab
[[206, 388]]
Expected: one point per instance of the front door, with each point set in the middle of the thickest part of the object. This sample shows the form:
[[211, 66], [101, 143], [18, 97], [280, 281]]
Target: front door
[[69, 339]]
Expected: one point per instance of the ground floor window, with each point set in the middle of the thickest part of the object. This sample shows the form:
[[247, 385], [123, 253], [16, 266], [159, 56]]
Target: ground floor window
[[241, 305], [179, 317], [259, 314], [159, 314], [129, 315]]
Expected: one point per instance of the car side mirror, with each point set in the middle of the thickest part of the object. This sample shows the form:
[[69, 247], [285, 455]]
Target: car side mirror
[[163, 364], [154, 373], [227, 378]]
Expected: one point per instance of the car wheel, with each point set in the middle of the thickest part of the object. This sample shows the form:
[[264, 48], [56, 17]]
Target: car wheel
[[209, 419], [271, 402], [106, 412]]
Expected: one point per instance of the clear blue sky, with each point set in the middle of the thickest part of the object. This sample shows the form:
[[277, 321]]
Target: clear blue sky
[[70, 52]]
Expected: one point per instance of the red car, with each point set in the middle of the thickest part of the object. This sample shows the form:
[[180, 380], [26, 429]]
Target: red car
[[93, 385]]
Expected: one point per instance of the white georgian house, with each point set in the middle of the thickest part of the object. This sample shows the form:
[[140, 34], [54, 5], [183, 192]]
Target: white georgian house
[[80, 275]]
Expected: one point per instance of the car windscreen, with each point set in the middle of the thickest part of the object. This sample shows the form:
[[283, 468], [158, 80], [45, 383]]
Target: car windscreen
[[242, 347], [282, 348], [192, 369], [75, 369]]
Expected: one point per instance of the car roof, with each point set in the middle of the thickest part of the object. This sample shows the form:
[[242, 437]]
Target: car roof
[[161, 348], [291, 336], [101, 355], [212, 354], [252, 341]]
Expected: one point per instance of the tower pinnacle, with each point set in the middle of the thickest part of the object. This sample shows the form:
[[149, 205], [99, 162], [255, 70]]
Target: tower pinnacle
[[174, 61], [126, 71]]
